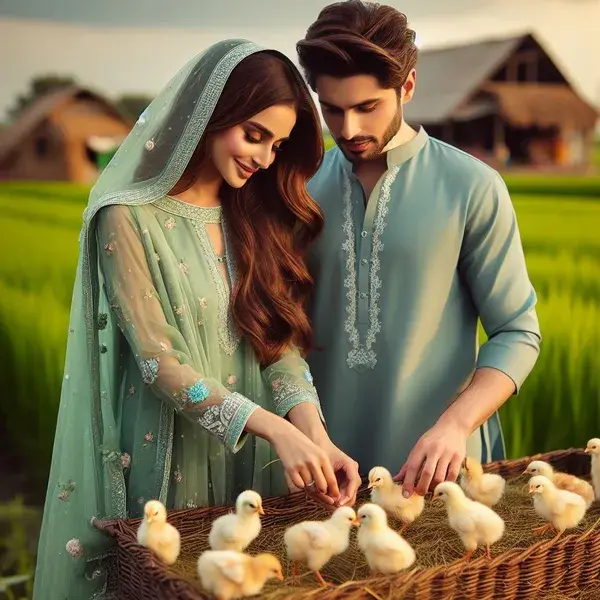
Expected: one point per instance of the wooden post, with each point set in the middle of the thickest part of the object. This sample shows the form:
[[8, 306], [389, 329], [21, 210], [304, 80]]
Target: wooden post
[[448, 132], [499, 150], [588, 152]]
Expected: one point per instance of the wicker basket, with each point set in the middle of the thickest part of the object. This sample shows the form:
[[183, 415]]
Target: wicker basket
[[562, 568]]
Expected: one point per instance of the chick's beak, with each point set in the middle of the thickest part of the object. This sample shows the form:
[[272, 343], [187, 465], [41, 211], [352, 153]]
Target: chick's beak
[[279, 576], [371, 485], [261, 511], [587, 450], [531, 490], [356, 522]]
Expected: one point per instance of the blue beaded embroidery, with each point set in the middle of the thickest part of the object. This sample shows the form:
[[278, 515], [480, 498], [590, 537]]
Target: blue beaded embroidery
[[198, 393], [308, 376], [149, 370]]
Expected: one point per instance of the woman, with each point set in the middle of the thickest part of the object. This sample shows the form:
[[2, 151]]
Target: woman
[[184, 338]]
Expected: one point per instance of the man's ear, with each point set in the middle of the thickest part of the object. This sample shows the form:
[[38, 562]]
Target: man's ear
[[408, 89]]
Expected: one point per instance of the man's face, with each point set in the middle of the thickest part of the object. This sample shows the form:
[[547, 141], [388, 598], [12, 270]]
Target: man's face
[[361, 115]]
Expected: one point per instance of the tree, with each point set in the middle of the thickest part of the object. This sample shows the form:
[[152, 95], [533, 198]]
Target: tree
[[133, 105], [38, 87]]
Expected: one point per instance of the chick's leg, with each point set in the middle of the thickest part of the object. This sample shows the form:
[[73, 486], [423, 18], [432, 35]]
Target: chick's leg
[[467, 556], [295, 569], [403, 527], [320, 578], [488, 552]]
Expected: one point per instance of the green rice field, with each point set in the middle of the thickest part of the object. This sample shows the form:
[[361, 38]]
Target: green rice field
[[558, 407]]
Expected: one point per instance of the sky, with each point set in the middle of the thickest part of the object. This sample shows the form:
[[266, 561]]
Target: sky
[[128, 46]]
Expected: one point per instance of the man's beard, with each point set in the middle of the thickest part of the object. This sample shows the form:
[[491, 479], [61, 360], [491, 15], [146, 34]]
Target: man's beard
[[377, 149]]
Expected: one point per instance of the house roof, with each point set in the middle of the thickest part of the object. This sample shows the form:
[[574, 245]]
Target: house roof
[[41, 108], [446, 76], [542, 105]]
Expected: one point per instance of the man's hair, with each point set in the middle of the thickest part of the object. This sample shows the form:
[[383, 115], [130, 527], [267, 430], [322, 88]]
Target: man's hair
[[359, 38]]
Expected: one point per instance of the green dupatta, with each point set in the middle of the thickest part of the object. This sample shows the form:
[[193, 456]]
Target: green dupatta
[[134, 338]]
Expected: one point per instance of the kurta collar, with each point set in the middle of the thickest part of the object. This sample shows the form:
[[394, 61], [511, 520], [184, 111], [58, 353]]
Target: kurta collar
[[400, 154]]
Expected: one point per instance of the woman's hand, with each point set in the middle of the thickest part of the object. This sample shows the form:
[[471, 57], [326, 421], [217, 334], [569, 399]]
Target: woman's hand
[[306, 465], [346, 473], [307, 419]]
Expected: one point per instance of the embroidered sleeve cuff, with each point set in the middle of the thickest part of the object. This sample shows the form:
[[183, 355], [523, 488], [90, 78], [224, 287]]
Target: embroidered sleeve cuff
[[286, 395], [227, 420]]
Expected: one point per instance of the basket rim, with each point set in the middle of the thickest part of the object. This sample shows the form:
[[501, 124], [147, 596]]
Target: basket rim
[[125, 530]]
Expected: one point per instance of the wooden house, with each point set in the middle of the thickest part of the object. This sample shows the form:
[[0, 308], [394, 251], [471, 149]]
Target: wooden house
[[60, 137], [505, 101]]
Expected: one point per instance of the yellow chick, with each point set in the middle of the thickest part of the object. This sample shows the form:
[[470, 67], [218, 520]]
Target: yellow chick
[[156, 534], [315, 542], [388, 495], [562, 508], [385, 550], [563, 481], [593, 448], [476, 524], [486, 488], [235, 531], [228, 574]]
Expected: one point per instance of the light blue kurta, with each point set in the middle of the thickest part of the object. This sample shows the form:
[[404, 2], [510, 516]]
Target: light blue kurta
[[400, 283]]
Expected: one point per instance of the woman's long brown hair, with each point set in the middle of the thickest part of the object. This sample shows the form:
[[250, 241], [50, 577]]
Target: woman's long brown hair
[[271, 220]]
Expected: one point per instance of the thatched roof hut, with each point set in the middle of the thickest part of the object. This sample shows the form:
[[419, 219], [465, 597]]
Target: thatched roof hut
[[60, 136], [505, 100]]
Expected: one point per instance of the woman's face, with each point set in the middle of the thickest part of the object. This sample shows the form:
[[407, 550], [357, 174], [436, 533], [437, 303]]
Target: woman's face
[[240, 151]]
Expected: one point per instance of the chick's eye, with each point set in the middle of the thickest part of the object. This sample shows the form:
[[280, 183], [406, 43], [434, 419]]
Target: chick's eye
[[251, 505]]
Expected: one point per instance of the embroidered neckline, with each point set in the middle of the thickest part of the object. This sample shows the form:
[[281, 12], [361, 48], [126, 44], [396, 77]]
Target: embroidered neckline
[[200, 216], [362, 353], [229, 336], [204, 214]]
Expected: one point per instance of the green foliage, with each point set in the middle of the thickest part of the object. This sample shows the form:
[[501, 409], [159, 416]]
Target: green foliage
[[38, 87], [559, 405], [133, 105], [557, 185], [19, 526]]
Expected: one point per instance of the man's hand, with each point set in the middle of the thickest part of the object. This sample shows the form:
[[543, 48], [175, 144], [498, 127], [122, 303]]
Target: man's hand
[[437, 457]]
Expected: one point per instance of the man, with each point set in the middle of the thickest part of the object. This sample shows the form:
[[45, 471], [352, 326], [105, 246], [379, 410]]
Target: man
[[420, 241]]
